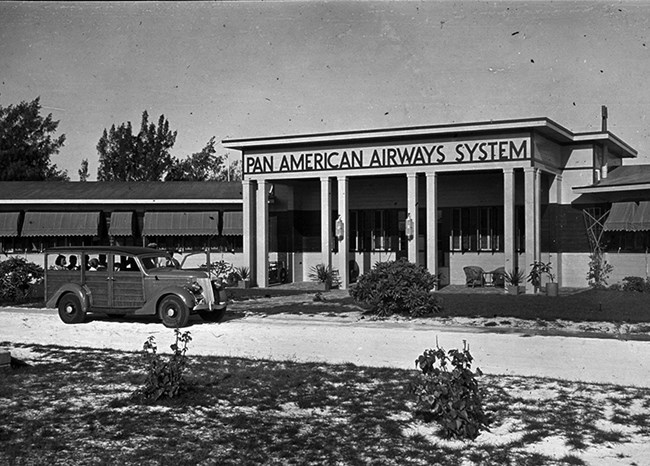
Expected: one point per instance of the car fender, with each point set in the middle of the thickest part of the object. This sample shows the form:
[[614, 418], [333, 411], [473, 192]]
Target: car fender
[[79, 291], [151, 306]]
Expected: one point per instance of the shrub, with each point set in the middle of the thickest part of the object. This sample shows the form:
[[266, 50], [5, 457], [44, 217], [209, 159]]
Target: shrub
[[450, 397], [224, 271], [164, 378], [397, 287], [17, 276], [636, 284]]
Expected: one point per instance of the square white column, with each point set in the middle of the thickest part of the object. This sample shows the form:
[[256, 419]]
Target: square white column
[[432, 223], [344, 249], [530, 196], [326, 220], [248, 224], [557, 268], [262, 239], [412, 211], [509, 243], [538, 214]]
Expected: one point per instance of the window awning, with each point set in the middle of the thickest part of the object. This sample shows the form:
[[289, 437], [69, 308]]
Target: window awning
[[628, 216], [121, 224], [61, 224], [232, 224], [9, 223], [180, 223], [620, 217], [641, 219]]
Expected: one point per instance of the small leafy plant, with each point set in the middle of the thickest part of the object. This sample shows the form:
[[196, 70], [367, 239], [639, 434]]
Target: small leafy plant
[[450, 396], [599, 270], [539, 269], [321, 273], [164, 377], [514, 277], [242, 272], [398, 287]]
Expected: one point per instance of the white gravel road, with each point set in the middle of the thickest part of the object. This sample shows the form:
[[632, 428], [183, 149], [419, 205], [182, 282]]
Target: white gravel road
[[345, 338]]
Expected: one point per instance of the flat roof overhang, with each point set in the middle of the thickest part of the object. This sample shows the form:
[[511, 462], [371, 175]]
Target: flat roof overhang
[[542, 125], [105, 201], [612, 188]]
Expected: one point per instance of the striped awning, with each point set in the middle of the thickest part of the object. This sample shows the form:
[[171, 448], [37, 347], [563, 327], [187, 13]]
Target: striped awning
[[9, 223], [180, 223], [232, 224], [628, 216], [620, 217], [641, 219], [121, 224], [61, 224]]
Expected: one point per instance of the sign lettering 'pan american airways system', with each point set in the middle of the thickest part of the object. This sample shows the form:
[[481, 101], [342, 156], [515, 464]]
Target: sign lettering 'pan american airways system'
[[513, 149]]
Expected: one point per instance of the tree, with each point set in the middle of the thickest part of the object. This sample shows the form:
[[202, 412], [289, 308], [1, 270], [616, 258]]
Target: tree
[[124, 156], [203, 166], [27, 142], [83, 171], [200, 166]]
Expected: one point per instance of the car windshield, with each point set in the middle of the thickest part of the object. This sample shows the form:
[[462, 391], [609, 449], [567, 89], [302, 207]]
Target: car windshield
[[157, 262]]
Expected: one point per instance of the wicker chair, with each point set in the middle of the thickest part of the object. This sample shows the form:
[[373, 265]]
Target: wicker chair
[[499, 277], [474, 276]]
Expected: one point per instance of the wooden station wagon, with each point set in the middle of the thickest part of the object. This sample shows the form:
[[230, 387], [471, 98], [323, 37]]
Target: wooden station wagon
[[122, 281]]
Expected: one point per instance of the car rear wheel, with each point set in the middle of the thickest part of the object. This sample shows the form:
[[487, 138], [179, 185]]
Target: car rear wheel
[[70, 310], [173, 312], [213, 316]]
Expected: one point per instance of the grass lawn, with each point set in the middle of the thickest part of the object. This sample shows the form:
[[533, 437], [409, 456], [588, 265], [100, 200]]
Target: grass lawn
[[72, 407], [590, 305], [586, 306]]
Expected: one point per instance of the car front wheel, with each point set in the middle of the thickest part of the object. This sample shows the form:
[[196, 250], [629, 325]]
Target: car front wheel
[[173, 312], [70, 310]]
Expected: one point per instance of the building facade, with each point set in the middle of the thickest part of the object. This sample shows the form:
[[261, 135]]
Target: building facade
[[489, 194], [177, 216], [497, 195]]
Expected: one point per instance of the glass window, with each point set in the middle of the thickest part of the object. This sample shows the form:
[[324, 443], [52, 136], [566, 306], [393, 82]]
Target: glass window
[[125, 264]]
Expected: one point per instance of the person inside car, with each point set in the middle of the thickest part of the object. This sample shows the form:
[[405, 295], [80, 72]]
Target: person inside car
[[73, 263], [93, 265], [60, 263]]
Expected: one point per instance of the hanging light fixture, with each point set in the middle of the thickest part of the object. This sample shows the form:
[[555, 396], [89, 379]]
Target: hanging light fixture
[[340, 229], [409, 227]]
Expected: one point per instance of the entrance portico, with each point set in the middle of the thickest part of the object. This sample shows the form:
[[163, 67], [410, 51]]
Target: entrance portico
[[443, 196]]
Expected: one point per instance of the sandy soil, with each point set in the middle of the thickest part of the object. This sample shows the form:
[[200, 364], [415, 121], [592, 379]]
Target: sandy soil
[[595, 352]]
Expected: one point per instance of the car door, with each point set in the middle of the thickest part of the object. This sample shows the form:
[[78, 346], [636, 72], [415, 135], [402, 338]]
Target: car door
[[127, 286], [97, 279]]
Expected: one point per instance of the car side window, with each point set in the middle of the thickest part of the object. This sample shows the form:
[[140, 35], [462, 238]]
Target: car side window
[[95, 262], [125, 264]]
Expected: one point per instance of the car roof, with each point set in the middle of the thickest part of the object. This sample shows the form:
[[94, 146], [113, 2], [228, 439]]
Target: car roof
[[132, 250]]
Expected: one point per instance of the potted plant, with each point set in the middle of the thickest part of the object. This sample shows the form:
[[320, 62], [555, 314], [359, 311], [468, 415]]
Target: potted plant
[[552, 287], [243, 274], [322, 274], [513, 279], [537, 271]]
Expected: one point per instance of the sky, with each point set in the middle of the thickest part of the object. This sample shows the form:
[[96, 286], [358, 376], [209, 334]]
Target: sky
[[254, 69]]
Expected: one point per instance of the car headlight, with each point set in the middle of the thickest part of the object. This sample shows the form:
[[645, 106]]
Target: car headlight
[[195, 288]]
